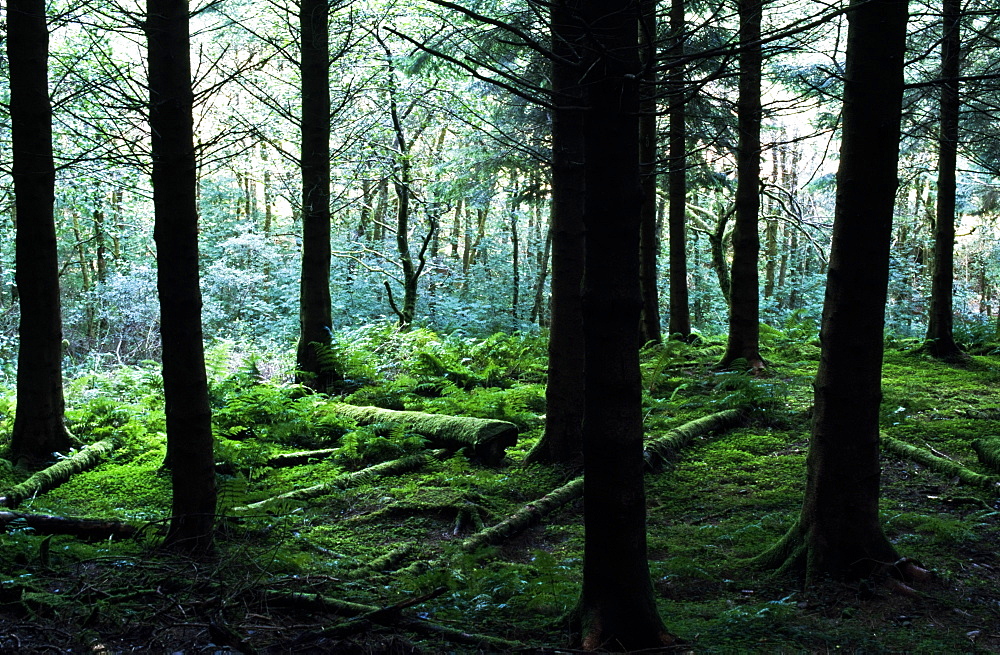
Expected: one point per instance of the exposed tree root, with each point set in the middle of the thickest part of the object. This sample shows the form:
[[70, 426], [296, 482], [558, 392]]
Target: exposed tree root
[[662, 449], [486, 439], [939, 464], [394, 467], [988, 450], [53, 476], [84, 528]]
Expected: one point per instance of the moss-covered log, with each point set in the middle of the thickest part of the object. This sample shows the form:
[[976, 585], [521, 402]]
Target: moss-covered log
[[299, 458], [527, 516], [393, 467], [989, 452], [939, 464], [84, 528], [487, 440], [53, 476], [662, 449]]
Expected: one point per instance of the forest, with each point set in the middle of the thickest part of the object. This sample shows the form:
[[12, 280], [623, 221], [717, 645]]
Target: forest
[[542, 326]]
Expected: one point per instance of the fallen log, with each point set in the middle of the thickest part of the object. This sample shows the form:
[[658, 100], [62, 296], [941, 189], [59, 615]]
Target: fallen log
[[659, 451], [299, 458], [53, 476], [95, 529], [939, 464], [988, 451], [393, 467], [486, 439]]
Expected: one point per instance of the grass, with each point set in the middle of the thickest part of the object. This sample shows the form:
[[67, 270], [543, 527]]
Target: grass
[[726, 498]]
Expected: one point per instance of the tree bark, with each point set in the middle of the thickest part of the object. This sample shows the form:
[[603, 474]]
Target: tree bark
[[39, 422], [649, 242], [838, 531], [315, 312], [562, 440], [940, 334], [185, 386], [744, 305], [617, 608], [680, 313]]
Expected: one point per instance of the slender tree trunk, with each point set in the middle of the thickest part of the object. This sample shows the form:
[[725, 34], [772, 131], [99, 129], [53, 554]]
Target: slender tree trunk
[[538, 305], [744, 305], [315, 311], [617, 608], [185, 387], [838, 532], [39, 424], [563, 441], [680, 313], [940, 334], [649, 242]]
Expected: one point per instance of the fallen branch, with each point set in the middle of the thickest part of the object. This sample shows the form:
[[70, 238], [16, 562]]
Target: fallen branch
[[382, 563], [53, 476], [939, 464], [988, 451], [662, 449], [393, 467], [488, 440], [299, 458], [84, 528]]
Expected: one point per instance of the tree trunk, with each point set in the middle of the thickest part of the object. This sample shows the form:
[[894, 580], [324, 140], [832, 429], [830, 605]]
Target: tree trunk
[[649, 242], [39, 423], [940, 335], [838, 532], [562, 441], [617, 608], [185, 387], [315, 312], [680, 313], [744, 305]]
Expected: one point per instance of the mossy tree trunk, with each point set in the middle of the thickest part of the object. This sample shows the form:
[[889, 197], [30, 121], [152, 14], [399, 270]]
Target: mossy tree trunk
[[617, 608], [838, 531], [174, 177], [39, 423]]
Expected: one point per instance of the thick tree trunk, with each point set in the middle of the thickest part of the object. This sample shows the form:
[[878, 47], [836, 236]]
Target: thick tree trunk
[[744, 305], [680, 313], [838, 532], [185, 386], [649, 241], [940, 335], [562, 441], [617, 608], [315, 313], [39, 424]]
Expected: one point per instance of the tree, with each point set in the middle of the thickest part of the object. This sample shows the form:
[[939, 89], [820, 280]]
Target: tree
[[838, 531], [174, 176], [680, 312], [649, 239], [940, 334], [617, 608], [315, 320], [744, 292], [39, 423]]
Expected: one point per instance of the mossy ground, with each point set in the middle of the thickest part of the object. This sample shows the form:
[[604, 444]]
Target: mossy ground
[[724, 499]]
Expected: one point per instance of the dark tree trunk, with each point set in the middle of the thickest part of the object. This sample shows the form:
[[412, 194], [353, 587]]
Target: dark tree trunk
[[940, 335], [185, 387], [39, 424], [680, 313], [838, 532], [649, 242], [315, 313], [744, 290], [563, 441], [617, 608]]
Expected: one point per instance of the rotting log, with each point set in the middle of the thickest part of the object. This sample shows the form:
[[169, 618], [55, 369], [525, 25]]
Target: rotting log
[[939, 464], [527, 516], [393, 467], [486, 439], [299, 458], [988, 450], [91, 529], [659, 451], [325, 604], [53, 476]]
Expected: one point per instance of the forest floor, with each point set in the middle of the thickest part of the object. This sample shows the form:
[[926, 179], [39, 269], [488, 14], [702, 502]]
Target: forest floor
[[305, 576]]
